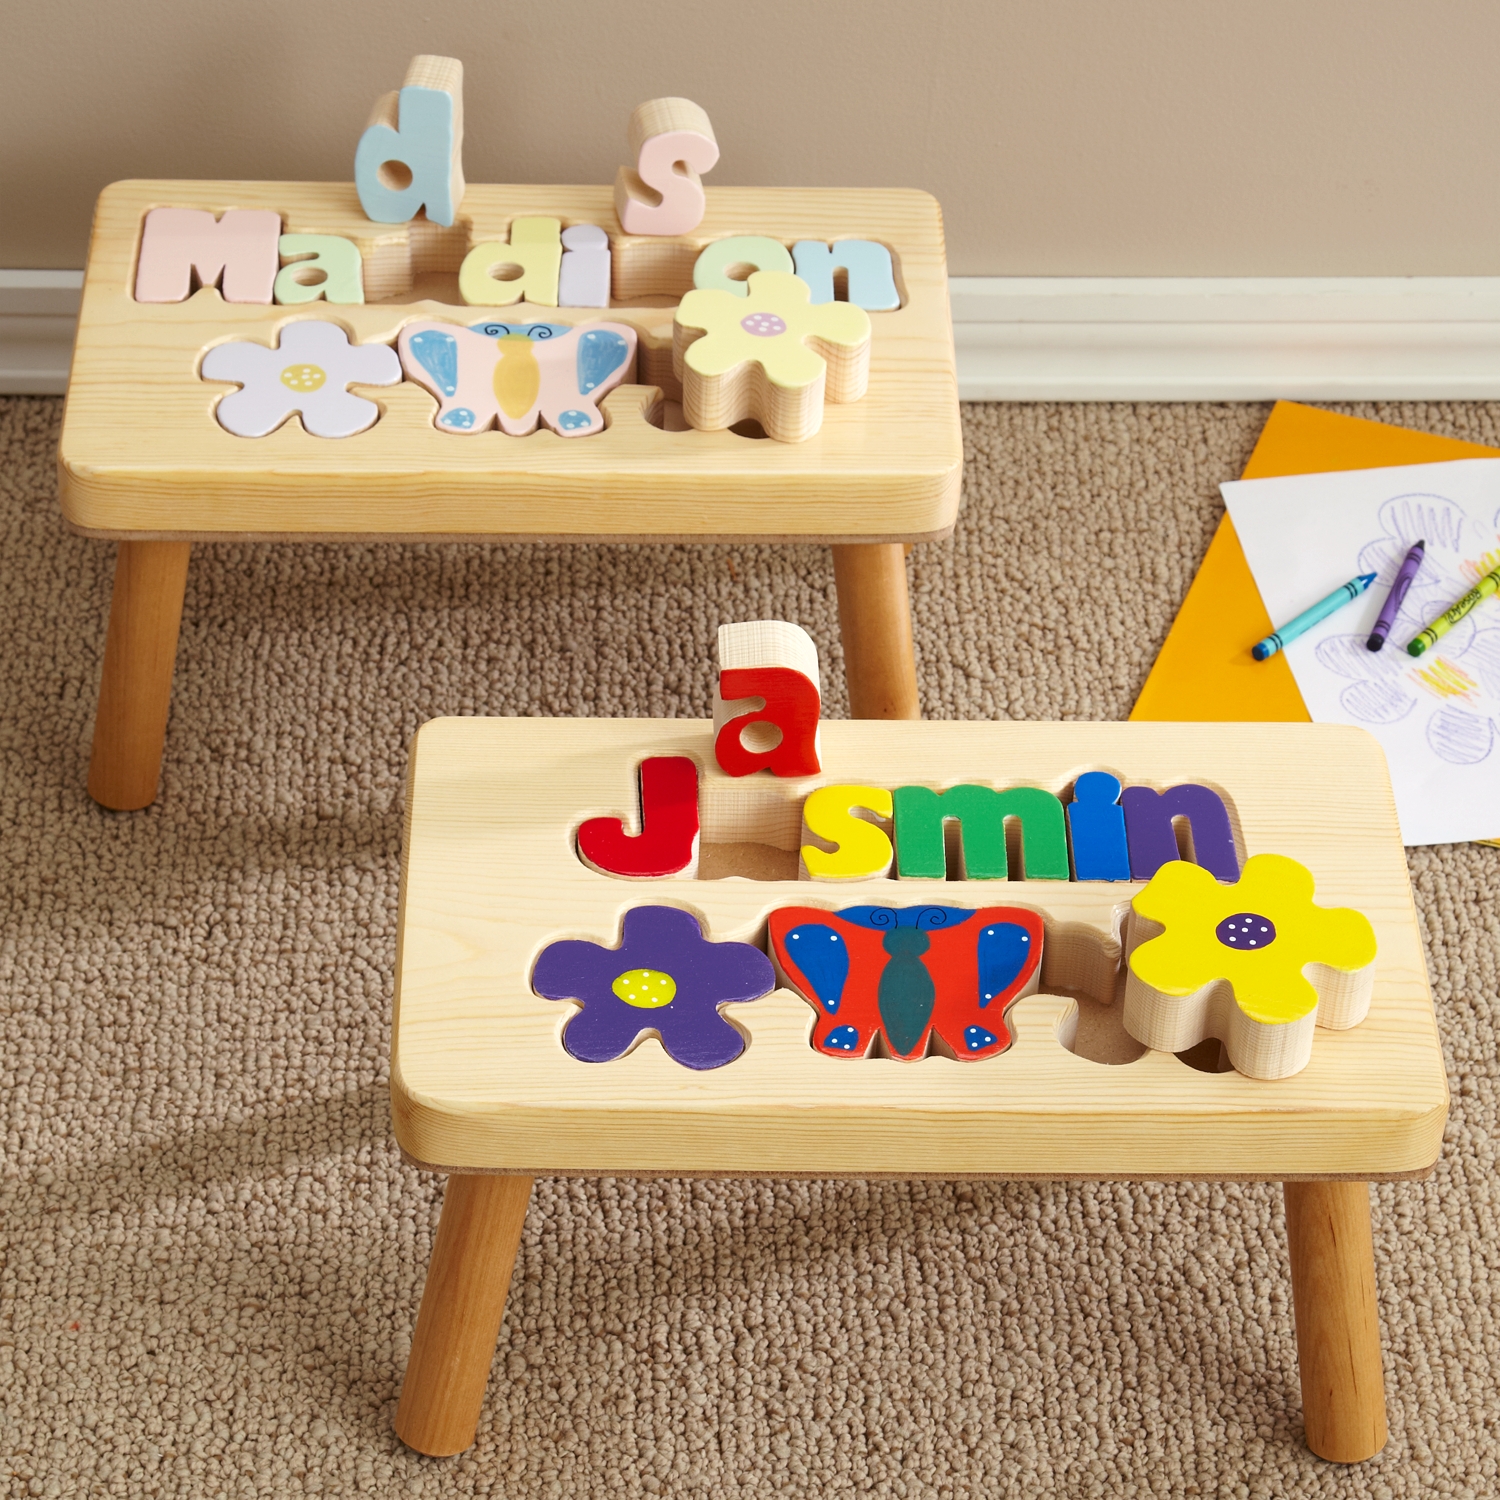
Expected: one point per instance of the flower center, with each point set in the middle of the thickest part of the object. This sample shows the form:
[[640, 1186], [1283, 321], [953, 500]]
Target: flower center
[[303, 377], [1246, 930], [648, 989], [763, 325]]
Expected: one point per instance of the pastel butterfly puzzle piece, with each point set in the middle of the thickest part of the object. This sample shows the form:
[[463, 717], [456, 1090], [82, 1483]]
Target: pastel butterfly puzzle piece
[[1254, 963], [306, 374], [665, 979], [517, 375], [907, 981], [771, 355]]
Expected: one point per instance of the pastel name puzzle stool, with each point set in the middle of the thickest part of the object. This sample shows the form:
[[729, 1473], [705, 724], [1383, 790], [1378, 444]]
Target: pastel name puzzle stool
[[553, 1018], [159, 452]]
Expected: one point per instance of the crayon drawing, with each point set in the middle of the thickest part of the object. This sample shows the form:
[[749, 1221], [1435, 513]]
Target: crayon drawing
[[1438, 715]]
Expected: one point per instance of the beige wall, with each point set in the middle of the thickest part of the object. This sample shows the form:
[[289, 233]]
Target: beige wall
[[1064, 137]]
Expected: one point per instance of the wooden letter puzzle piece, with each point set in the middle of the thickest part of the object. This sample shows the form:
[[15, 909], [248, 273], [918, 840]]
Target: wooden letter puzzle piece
[[411, 154], [672, 142], [664, 980], [1255, 964], [583, 280], [668, 841], [338, 260], [1096, 822], [770, 355], [754, 252], [1150, 828], [906, 981], [981, 813], [872, 281], [535, 249], [778, 662], [863, 851], [518, 374], [307, 374], [179, 243]]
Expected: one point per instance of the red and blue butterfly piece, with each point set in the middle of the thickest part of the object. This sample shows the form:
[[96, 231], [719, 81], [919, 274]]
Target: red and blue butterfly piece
[[904, 981]]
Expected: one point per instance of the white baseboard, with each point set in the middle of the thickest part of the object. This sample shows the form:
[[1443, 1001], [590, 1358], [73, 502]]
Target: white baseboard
[[1227, 339], [1077, 338], [38, 313]]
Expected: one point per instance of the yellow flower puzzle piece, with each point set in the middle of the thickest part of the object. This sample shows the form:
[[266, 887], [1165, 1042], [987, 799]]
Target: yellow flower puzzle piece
[[1255, 964], [771, 355]]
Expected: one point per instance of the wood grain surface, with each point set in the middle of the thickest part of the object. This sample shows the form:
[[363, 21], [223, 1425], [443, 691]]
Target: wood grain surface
[[480, 1080], [143, 457]]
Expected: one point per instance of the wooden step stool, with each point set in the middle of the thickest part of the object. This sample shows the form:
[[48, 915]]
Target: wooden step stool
[[483, 1089]]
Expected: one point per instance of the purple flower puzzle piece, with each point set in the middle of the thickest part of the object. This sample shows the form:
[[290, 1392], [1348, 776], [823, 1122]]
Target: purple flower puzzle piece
[[665, 977]]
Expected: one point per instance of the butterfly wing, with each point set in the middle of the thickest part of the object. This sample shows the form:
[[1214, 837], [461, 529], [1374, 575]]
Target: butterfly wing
[[980, 970], [455, 365], [835, 966], [579, 368]]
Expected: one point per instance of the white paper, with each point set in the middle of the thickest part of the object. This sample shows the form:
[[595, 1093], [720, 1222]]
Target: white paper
[[1438, 715]]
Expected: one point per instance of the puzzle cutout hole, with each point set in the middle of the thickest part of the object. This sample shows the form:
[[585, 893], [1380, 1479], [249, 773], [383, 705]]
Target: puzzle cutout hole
[[418, 265], [1094, 1029], [749, 428], [746, 861], [1209, 1056]]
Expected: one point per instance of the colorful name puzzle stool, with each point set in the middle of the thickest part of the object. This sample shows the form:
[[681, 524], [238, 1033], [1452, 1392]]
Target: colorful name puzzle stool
[[554, 1018]]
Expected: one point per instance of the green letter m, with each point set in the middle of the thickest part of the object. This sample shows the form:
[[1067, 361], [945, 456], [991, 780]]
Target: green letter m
[[981, 813]]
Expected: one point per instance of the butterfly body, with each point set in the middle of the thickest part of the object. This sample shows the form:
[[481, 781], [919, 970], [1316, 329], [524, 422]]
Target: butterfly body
[[516, 376], [906, 981]]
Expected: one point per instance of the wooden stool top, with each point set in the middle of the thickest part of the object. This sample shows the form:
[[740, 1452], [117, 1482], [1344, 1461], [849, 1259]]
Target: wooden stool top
[[143, 457], [481, 1081]]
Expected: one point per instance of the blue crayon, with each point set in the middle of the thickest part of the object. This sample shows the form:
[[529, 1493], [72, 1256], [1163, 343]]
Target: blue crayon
[[1341, 596]]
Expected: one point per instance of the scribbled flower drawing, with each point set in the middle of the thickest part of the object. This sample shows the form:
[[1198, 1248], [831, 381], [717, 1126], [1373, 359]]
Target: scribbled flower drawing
[[307, 373], [1282, 958], [1457, 684], [665, 977]]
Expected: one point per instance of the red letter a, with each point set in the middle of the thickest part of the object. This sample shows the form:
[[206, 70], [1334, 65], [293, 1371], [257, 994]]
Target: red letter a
[[792, 706]]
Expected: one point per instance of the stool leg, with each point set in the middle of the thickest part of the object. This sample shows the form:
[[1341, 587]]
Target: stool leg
[[135, 688], [1338, 1329], [875, 623], [459, 1321]]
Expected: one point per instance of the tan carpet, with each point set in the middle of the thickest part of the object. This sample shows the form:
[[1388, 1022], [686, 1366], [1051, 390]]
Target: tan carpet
[[214, 1255]]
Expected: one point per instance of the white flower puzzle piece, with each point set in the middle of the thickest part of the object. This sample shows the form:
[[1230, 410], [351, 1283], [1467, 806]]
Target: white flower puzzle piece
[[306, 374]]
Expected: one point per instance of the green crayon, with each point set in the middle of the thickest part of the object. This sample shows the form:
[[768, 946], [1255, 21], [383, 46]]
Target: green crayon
[[1446, 621]]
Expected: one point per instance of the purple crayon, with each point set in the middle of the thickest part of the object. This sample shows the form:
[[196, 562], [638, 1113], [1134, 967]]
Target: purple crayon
[[1411, 565]]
